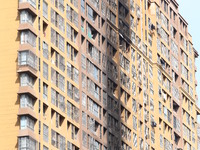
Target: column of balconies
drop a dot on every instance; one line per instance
(27, 71)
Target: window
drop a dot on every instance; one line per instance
(61, 5)
(83, 6)
(45, 133)
(45, 91)
(94, 71)
(27, 37)
(45, 9)
(73, 112)
(94, 53)
(185, 57)
(25, 17)
(71, 146)
(72, 92)
(74, 132)
(26, 80)
(94, 89)
(72, 73)
(72, 15)
(151, 104)
(58, 140)
(45, 50)
(160, 108)
(90, 13)
(45, 70)
(165, 7)
(32, 2)
(61, 45)
(26, 101)
(57, 40)
(26, 143)
(26, 122)
(71, 33)
(58, 100)
(134, 123)
(94, 108)
(134, 139)
(72, 53)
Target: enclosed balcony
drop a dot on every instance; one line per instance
(111, 36)
(124, 30)
(123, 12)
(95, 3)
(31, 2)
(29, 5)
(26, 17)
(27, 62)
(72, 15)
(28, 37)
(26, 105)
(26, 142)
(26, 102)
(26, 80)
(27, 122)
(93, 52)
(26, 85)
(92, 15)
(27, 58)
(92, 33)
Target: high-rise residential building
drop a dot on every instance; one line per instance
(96, 75)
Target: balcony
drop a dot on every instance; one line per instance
(124, 30)
(26, 140)
(27, 132)
(57, 140)
(27, 58)
(26, 26)
(123, 13)
(28, 37)
(27, 111)
(26, 17)
(26, 102)
(94, 53)
(27, 69)
(111, 34)
(29, 5)
(72, 15)
(58, 100)
(27, 122)
(27, 89)
(95, 3)
(176, 124)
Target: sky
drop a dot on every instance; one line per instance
(190, 11)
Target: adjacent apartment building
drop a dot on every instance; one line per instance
(96, 75)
